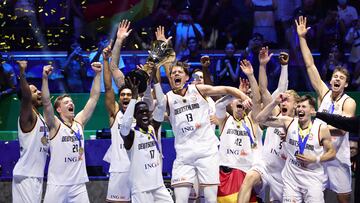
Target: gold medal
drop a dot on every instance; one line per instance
(44, 140)
(81, 151)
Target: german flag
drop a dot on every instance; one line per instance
(230, 183)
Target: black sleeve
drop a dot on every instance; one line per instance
(350, 124)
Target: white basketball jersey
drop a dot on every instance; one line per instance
(212, 109)
(341, 143)
(119, 159)
(190, 121)
(237, 149)
(33, 152)
(273, 151)
(67, 165)
(296, 171)
(145, 159)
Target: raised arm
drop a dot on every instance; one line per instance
(160, 108)
(264, 58)
(220, 107)
(350, 124)
(205, 63)
(84, 115)
(52, 123)
(316, 82)
(349, 109)
(27, 116)
(122, 32)
(283, 80)
(208, 90)
(265, 118)
(110, 102)
(247, 68)
(168, 61)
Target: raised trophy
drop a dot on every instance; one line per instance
(158, 52)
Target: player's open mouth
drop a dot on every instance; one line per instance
(177, 81)
(301, 114)
(125, 103)
(336, 85)
(284, 110)
(71, 109)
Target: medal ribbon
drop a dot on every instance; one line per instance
(243, 124)
(331, 108)
(302, 142)
(77, 134)
(151, 135)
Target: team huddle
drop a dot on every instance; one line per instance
(298, 159)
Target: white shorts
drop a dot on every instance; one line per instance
(205, 169)
(339, 177)
(27, 189)
(276, 185)
(293, 194)
(159, 195)
(66, 193)
(118, 187)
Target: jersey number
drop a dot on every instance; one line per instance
(280, 144)
(152, 154)
(189, 117)
(75, 148)
(238, 142)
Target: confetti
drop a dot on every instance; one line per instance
(3, 24)
(82, 37)
(14, 18)
(83, 2)
(1, 15)
(28, 46)
(102, 17)
(62, 18)
(22, 40)
(136, 46)
(46, 14)
(41, 10)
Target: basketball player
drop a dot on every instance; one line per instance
(267, 172)
(118, 186)
(308, 144)
(147, 184)
(337, 102)
(195, 141)
(28, 172)
(67, 170)
(240, 140)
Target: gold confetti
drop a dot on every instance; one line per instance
(67, 25)
(53, 11)
(46, 14)
(28, 46)
(2, 43)
(83, 2)
(3, 24)
(57, 35)
(82, 37)
(14, 18)
(4, 2)
(26, 11)
(136, 46)
(12, 37)
(49, 34)
(62, 18)
(1, 15)
(6, 37)
(102, 17)
(22, 40)
(41, 10)
(49, 44)
(144, 33)
(61, 31)
(99, 28)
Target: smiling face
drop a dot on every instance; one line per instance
(142, 115)
(178, 77)
(305, 108)
(125, 97)
(35, 96)
(64, 105)
(339, 80)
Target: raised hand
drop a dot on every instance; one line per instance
(22, 65)
(160, 34)
(281, 98)
(205, 61)
(106, 52)
(284, 58)
(264, 56)
(247, 103)
(97, 67)
(123, 30)
(246, 67)
(47, 70)
(244, 85)
(301, 27)
(133, 85)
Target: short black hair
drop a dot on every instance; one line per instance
(308, 98)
